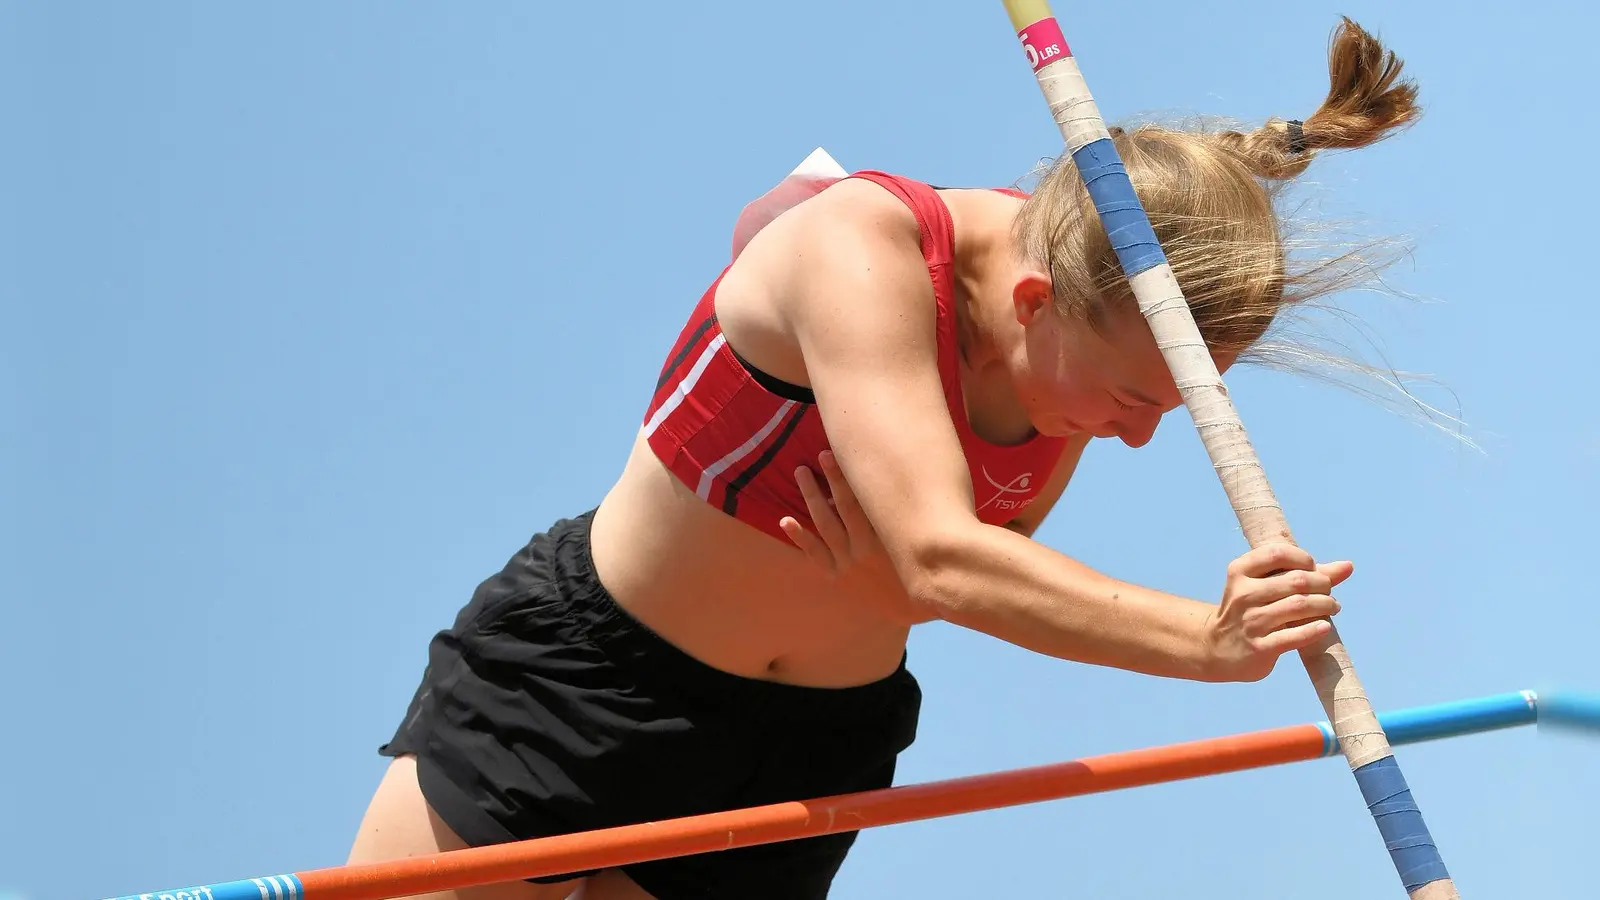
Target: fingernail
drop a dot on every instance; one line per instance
(826, 457)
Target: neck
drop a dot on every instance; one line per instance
(983, 267)
(984, 263)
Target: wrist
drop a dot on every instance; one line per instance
(1207, 661)
(1190, 644)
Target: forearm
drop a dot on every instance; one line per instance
(998, 582)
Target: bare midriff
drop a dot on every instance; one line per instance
(733, 597)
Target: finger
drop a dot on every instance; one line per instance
(1269, 558)
(809, 544)
(1297, 638)
(823, 516)
(844, 499)
(1288, 613)
(1287, 584)
(1337, 572)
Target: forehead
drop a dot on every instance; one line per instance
(1132, 359)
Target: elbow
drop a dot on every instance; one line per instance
(928, 597)
(933, 567)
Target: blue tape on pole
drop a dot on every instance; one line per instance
(273, 887)
(1410, 845)
(1125, 221)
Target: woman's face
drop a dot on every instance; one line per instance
(1107, 380)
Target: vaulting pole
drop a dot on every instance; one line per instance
(1366, 747)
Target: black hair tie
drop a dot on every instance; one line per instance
(1297, 137)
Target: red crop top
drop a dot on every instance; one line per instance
(735, 435)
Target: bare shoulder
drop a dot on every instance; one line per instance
(847, 258)
(852, 223)
(864, 204)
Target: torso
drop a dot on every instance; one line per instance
(688, 539)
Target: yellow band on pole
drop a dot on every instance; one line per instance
(1026, 12)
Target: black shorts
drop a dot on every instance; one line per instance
(547, 709)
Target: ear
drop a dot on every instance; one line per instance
(1032, 296)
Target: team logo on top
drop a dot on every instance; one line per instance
(1011, 495)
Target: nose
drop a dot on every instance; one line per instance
(1139, 427)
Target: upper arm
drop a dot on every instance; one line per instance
(862, 310)
(1029, 520)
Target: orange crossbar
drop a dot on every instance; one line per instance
(610, 847)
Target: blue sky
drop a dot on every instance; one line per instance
(315, 312)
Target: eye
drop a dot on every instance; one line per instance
(1117, 400)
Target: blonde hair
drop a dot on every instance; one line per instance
(1211, 197)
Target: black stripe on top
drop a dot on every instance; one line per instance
(688, 347)
(785, 389)
(730, 499)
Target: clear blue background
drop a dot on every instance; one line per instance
(314, 312)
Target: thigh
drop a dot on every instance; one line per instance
(399, 824)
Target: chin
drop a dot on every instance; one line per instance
(1057, 428)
